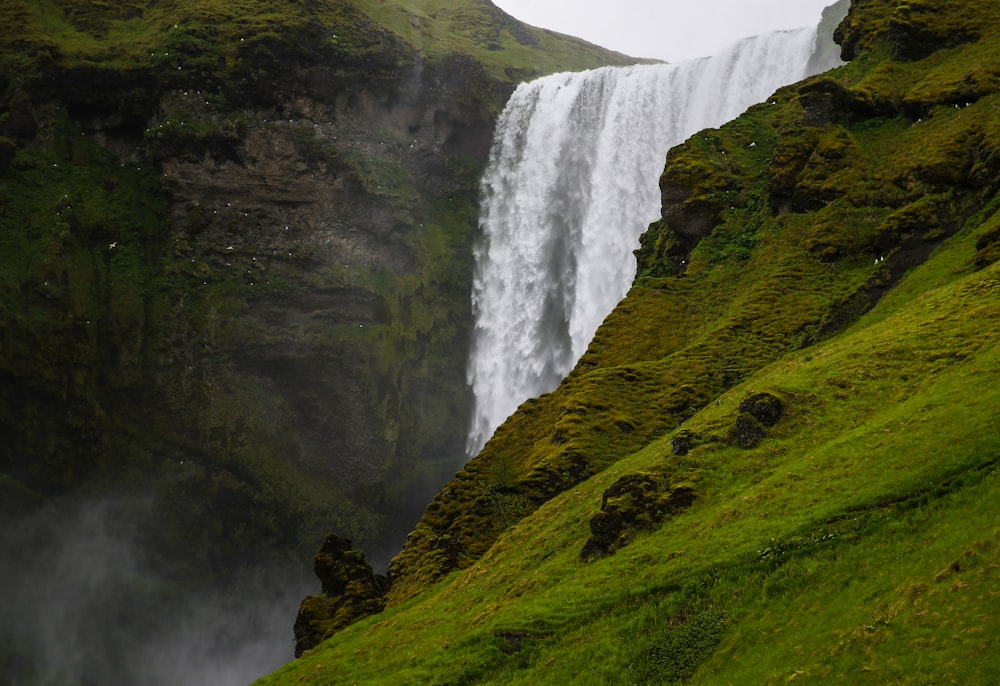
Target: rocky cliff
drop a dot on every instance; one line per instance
(249, 232)
(235, 261)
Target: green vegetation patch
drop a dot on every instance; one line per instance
(860, 526)
(827, 257)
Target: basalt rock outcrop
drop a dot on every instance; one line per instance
(350, 591)
(758, 413)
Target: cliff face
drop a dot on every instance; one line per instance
(234, 261)
(779, 448)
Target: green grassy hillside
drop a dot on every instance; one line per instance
(204, 35)
(778, 459)
(857, 543)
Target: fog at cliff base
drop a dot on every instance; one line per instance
(672, 30)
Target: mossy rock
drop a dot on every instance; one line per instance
(943, 156)
(918, 28)
(757, 414)
(351, 591)
(957, 83)
(661, 251)
(865, 29)
(766, 408)
(696, 186)
(840, 230)
(930, 218)
(988, 248)
(683, 442)
(635, 502)
(880, 92)
(914, 29)
(833, 168)
(789, 160)
(826, 101)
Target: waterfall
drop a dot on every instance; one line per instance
(571, 185)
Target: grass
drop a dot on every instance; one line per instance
(861, 528)
(836, 273)
(504, 46)
(799, 234)
(192, 36)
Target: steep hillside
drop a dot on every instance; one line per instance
(234, 264)
(778, 458)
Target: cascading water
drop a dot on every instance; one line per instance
(571, 185)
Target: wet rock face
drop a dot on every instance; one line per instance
(351, 591)
(292, 241)
(302, 175)
(326, 189)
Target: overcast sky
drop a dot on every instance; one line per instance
(671, 30)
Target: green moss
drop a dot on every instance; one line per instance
(187, 42)
(839, 230)
(380, 177)
(865, 29)
(190, 135)
(863, 523)
(788, 161)
(836, 168)
(921, 27)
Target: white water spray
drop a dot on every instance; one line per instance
(571, 185)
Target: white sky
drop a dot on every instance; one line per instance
(671, 30)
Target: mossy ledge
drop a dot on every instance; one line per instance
(829, 252)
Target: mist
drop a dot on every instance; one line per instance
(86, 601)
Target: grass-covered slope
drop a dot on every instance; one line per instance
(777, 460)
(857, 543)
(203, 36)
(506, 47)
